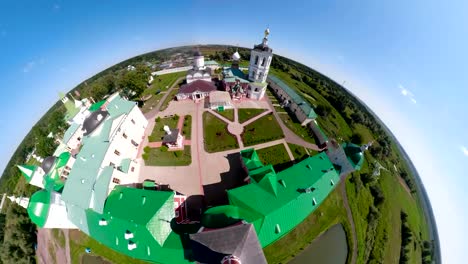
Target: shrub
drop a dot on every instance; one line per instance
(164, 148)
(147, 149)
(145, 156)
(158, 119)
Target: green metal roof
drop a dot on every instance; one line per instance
(250, 159)
(101, 188)
(149, 184)
(295, 97)
(27, 171)
(266, 177)
(96, 106)
(300, 190)
(354, 154)
(70, 131)
(119, 106)
(38, 207)
(233, 74)
(125, 165)
(225, 215)
(62, 159)
(145, 216)
(211, 62)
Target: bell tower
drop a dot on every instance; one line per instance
(260, 60)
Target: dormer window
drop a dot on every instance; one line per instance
(116, 152)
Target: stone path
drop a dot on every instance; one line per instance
(350, 219)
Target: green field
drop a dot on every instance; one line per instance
(161, 157)
(228, 113)
(152, 102)
(274, 155)
(216, 136)
(300, 151)
(262, 130)
(187, 127)
(245, 114)
(79, 241)
(163, 82)
(158, 131)
(303, 131)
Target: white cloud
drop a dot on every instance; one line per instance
(464, 150)
(407, 93)
(29, 66)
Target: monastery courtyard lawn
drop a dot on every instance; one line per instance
(187, 127)
(228, 113)
(163, 82)
(300, 152)
(216, 135)
(162, 157)
(158, 131)
(248, 113)
(274, 155)
(262, 130)
(303, 131)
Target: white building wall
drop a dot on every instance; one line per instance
(58, 217)
(76, 138)
(173, 70)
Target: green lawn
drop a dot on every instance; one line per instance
(157, 157)
(303, 131)
(329, 213)
(300, 151)
(274, 155)
(79, 241)
(187, 128)
(158, 131)
(163, 82)
(245, 114)
(216, 136)
(169, 98)
(152, 102)
(228, 113)
(262, 130)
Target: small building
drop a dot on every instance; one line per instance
(292, 100)
(199, 71)
(220, 101)
(196, 90)
(319, 135)
(173, 139)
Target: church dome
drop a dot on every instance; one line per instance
(48, 163)
(38, 207)
(93, 121)
(355, 154)
(236, 56)
(197, 53)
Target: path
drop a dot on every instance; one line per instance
(350, 219)
(290, 136)
(152, 114)
(47, 245)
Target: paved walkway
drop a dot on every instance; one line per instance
(350, 219)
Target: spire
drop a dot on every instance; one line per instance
(27, 170)
(21, 201)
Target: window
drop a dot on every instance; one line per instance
(116, 180)
(134, 143)
(78, 138)
(124, 135)
(112, 164)
(116, 152)
(256, 60)
(132, 169)
(133, 121)
(263, 62)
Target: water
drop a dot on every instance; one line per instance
(329, 248)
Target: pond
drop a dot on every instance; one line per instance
(330, 248)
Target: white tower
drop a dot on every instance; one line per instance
(21, 201)
(260, 60)
(198, 61)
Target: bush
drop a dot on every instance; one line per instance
(164, 148)
(147, 149)
(158, 119)
(175, 117)
(145, 156)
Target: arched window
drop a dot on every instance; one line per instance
(263, 62)
(256, 60)
(260, 76)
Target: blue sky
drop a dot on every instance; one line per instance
(406, 59)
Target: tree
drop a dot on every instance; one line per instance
(323, 110)
(57, 122)
(134, 82)
(357, 138)
(45, 146)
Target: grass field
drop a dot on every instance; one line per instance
(302, 131)
(152, 102)
(157, 157)
(158, 131)
(228, 113)
(169, 98)
(262, 130)
(216, 136)
(187, 127)
(273, 155)
(163, 82)
(79, 241)
(300, 151)
(329, 213)
(245, 114)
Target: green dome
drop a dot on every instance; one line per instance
(355, 154)
(38, 208)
